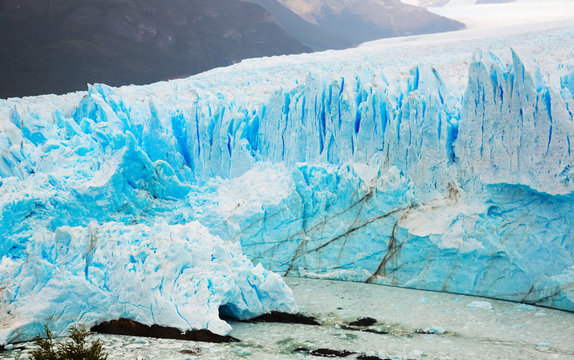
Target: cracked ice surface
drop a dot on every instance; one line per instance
(419, 163)
(171, 275)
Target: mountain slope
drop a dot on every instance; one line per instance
(311, 34)
(60, 45)
(350, 22)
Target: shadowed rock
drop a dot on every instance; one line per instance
(364, 321)
(369, 330)
(286, 318)
(330, 353)
(195, 351)
(370, 357)
(322, 352)
(133, 328)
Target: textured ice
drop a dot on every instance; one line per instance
(392, 163)
(172, 275)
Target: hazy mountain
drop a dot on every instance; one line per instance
(311, 34)
(428, 3)
(438, 3)
(493, 1)
(57, 46)
(343, 23)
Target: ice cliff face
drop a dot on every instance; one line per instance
(136, 194)
(171, 275)
(518, 129)
(468, 196)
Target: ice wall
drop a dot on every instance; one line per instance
(469, 195)
(88, 233)
(171, 275)
(517, 129)
(347, 175)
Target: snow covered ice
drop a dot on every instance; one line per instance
(421, 163)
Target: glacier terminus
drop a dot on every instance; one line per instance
(439, 163)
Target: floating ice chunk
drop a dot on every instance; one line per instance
(434, 330)
(417, 353)
(480, 305)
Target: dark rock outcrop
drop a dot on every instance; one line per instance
(286, 318)
(364, 321)
(370, 357)
(323, 352)
(133, 328)
(195, 351)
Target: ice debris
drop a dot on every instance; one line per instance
(485, 305)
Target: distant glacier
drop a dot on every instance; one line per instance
(153, 202)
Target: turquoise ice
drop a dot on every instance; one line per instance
(155, 202)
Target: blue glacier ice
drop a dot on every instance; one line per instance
(172, 275)
(155, 202)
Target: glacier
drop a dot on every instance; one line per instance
(390, 164)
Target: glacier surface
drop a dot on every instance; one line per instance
(391, 164)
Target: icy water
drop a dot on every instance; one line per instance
(411, 324)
